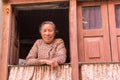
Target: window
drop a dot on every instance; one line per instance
(27, 29)
(91, 17)
(117, 12)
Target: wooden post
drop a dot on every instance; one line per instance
(0, 23)
(73, 39)
(0, 30)
(5, 42)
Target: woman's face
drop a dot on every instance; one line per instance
(47, 33)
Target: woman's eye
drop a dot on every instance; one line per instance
(47, 30)
(50, 30)
(44, 31)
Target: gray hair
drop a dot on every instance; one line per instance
(48, 22)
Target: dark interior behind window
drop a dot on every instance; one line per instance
(28, 27)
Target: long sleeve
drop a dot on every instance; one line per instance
(42, 53)
(60, 54)
(31, 59)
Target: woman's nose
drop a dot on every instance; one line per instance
(47, 32)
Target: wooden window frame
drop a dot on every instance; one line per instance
(8, 24)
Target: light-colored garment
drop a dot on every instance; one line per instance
(40, 50)
(63, 72)
(22, 62)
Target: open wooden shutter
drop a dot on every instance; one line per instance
(114, 21)
(93, 32)
(14, 49)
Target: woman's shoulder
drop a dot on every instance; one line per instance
(38, 41)
(58, 40)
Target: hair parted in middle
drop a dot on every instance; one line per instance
(48, 22)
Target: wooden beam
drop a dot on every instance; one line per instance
(73, 39)
(40, 6)
(34, 1)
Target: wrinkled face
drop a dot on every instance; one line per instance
(47, 33)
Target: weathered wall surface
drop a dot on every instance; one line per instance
(63, 72)
(100, 72)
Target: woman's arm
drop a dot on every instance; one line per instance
(60, 54)
(32, 58)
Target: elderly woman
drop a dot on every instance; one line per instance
(47, 50)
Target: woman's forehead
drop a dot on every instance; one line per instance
(46, 26)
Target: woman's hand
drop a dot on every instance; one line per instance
(52, 63)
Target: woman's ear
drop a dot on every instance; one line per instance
(56, 31)
(40, 32)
